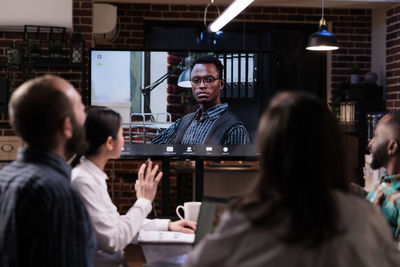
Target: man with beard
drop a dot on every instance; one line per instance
(385, 153)
(43, 221)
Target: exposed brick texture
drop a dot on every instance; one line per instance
(352, 28)
(122, 176)
(393, 58)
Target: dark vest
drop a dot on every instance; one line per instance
(218, 132)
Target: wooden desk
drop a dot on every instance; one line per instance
(157, 252)
(145, 254)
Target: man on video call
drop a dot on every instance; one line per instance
(213, 122)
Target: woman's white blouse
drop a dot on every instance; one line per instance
(113, 231)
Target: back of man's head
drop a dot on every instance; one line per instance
(37, 110)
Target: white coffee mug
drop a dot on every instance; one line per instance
(190, 209)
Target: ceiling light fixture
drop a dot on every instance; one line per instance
(230, 13)
(322, 40)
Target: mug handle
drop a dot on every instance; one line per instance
(177, 211)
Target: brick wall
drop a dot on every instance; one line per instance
(123, 174)
(351, 27)
(175, 106)
(82, 12)
(393, 58)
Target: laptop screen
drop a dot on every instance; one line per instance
(209, 216)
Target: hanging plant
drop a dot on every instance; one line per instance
(56, 49)
(34, 49)
(18, 60)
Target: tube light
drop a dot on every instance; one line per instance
(230, 13)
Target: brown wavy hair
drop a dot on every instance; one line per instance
(302, 163)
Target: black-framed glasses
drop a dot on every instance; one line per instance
(208, 80)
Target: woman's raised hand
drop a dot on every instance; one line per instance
(148, 179)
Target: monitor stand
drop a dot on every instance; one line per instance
(165, 186)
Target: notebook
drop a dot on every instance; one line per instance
(165, 237)
(209, 216)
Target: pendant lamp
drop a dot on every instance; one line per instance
(322, 40)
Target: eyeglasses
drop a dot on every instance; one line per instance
(208, 80)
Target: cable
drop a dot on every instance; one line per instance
(205, 12)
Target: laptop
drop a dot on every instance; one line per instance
(209, 216)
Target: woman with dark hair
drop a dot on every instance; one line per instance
(299, 213)
(104, 134)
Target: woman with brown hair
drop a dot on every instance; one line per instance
(299, 213)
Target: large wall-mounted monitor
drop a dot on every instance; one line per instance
(142, 86)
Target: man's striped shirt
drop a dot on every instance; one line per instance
(43, 220)
(198, 130)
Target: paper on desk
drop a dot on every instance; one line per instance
(165, 237)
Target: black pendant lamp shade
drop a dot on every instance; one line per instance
(322, 40)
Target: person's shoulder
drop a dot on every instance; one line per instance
(21, 173)
(178, 121)
(37, 183)
(363, 222)
(80, 174)
(358, 211)
(356, 201)
(77, 170)
(233, 115)
(187, 116)
(230, 219)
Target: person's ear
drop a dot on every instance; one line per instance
(66, 128)
(109, 143)
(393, 147)
(222, 83)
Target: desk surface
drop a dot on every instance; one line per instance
(157, 252)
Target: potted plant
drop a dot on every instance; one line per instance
(354, 74)
(34, 48)
(12, 65)
(18, 60)
(56, 49)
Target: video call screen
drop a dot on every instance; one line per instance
(162, 118)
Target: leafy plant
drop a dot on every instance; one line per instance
(334, 103)
(18, 60)
(56, 47)
(34, 47)
(337, 95)
(354, 69)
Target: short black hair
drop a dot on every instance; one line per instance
(210, 60)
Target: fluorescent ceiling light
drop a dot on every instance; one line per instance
(322, 48)
(230, 13)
